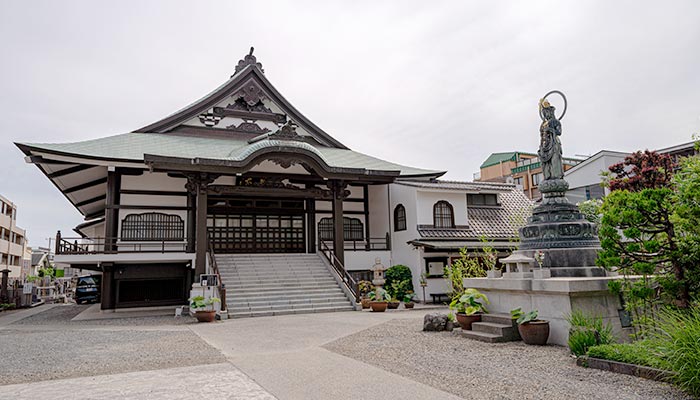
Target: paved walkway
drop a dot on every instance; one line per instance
(213, 381)
(284, 355)
(269, 357)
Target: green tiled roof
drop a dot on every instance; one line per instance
(497, 158)
(133, 146)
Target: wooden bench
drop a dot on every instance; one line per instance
(438, 296)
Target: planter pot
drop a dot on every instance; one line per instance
(494, 273)
(205, 316)
(534, 332)
(393, 305)
(465, 321)
(365, 303)
(378, 306)
(409, 305)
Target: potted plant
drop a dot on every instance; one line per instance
(469, 307)
(365, 287)
(532, 330)
(408, 300)
(379, 300)
(394, 291)
(207, 314)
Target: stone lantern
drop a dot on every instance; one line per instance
(518, 266)
(378, 270)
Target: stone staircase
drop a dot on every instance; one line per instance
(493, 328)
(277, 284)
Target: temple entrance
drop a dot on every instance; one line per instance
(256, 225)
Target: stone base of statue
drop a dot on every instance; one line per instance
(566, 244)
(558, 229)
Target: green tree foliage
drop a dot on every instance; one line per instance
(638, 234)
(591, 210)
(399, 280)
(687, 220)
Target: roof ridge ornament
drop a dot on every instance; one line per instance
(249, 59)
(288, 131)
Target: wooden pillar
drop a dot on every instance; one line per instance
(108, 296)
(311, 224)
(338, 189)
(197, 184)
(112, 211)
(365, 203)
(191, 220)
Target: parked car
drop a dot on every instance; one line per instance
(87, 289)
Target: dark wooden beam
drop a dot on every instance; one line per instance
(70, 170)
(111, 212)
(191, 221)
(311, 224)
(137, 207)
(101, 197)
(86, 185)
(315, 193)
(338, 188)
(365, 195)
(154, 192)
(353, 212)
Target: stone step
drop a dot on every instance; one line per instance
(290, 285)
(284, 297)
(504, 319)
(275, 289)
(281, 307)
(262, 272)
(305, 300)
(282, 282)
(291, 311)
(480, 336)
(284, 294)
(496, 329)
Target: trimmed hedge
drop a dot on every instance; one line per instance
(398, 273)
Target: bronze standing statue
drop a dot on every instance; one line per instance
(550, 146)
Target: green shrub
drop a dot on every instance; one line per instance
(677, 338)
(399, 274)
(586, 331)
(639, 353)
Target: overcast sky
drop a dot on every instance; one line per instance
(431, 84)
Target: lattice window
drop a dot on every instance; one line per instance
(399, 218)
(443, 215)
(353, 229)
(153, 226)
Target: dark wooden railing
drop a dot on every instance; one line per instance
(215, 268)
(339, 269)
(371, 244)
(75, 245)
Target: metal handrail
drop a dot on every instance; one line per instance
(339, 268)
(215, 268)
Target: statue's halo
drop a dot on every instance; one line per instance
(565, 103)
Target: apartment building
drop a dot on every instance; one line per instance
(13, 242)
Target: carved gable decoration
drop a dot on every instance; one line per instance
(248, 127)
(287, 132)
(248, 104)
(249, 59)
(209, 119)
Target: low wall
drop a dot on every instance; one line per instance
(554, 298)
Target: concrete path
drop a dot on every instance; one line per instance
(283, 354)
(7, 318)
(213, 381)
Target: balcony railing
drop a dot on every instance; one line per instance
(371, 244)
(74, 246)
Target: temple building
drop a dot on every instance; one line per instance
(241, 185)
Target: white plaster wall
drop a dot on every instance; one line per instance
(364, 260)
(589, 174)
(427, 199)
(153, 181)
(378, 204)
(401, 252)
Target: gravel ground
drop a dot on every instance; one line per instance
(477, 370)
(34, 356)
(62, 315)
